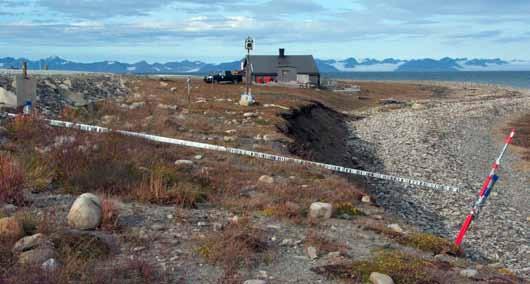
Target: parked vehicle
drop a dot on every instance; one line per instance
(234, 77)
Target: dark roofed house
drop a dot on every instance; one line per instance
(283, 68)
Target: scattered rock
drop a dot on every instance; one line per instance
(173, 89)
(167, 107)
(395, 227)
(250, 114)
(11, 228)
(137, 105)
(51, 265)
(37, 256)
(272, 137)
(9, 209)
(380, 278)
(85, 213)
(31, 242)
(229, 138)
(311, 252)
(108, 119)
(187, 163)
(198, 157)
(164, 84)
(246, 100)
(255, 281)
(469, 273)
(320, 210)
(366, 199)
(266, 179)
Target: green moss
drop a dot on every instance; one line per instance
(402, 268)
(428, 242)
(422, 241)
(346, 210)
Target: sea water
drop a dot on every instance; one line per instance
(517, 79)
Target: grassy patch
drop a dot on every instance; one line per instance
(401, 267)
(422, 241)
(346, 210)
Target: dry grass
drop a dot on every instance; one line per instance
(110, 213)
(322, 244)
(239, 245)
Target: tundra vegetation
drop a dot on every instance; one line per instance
(43, 169)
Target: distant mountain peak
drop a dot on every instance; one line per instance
(350, 64)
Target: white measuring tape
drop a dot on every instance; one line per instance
(259, 155)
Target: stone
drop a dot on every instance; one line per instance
(167, 107)
(31, 242)
(173, 89)
(395, 227)
(36, 256)
(85, 213)
(272, 137)
(164, 84)
(9, 209)
(187, 163)
(311, 252)
(198, 157)
(255, 281)
(250, 114)
(137, 105)
(366, 199)
(246, 100)
(107, 119)
(469, 273)
(266, 179)
(380, 278)
(320, 210)
(11, 228)
(7, 98)
(50, 265)
(334, 254)
(229, 138)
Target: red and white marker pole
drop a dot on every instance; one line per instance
(484, 192)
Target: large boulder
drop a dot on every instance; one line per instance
(85, 213)
(11, 228)
(320, 210)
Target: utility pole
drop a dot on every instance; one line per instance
(188, 84)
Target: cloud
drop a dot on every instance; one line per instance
(479, 35)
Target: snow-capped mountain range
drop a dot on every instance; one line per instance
(325, 66)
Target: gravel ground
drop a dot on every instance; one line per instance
(454, 141)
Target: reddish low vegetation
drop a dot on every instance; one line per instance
(237, 245)
(12, 181)
(522, 137)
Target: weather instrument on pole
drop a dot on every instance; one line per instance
(246, 98)
(249, 44)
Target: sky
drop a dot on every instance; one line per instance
(214, 30)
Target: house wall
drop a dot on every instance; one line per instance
(286, 74)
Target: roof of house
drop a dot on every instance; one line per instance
(268, 64)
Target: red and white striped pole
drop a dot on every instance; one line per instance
(484, 192)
